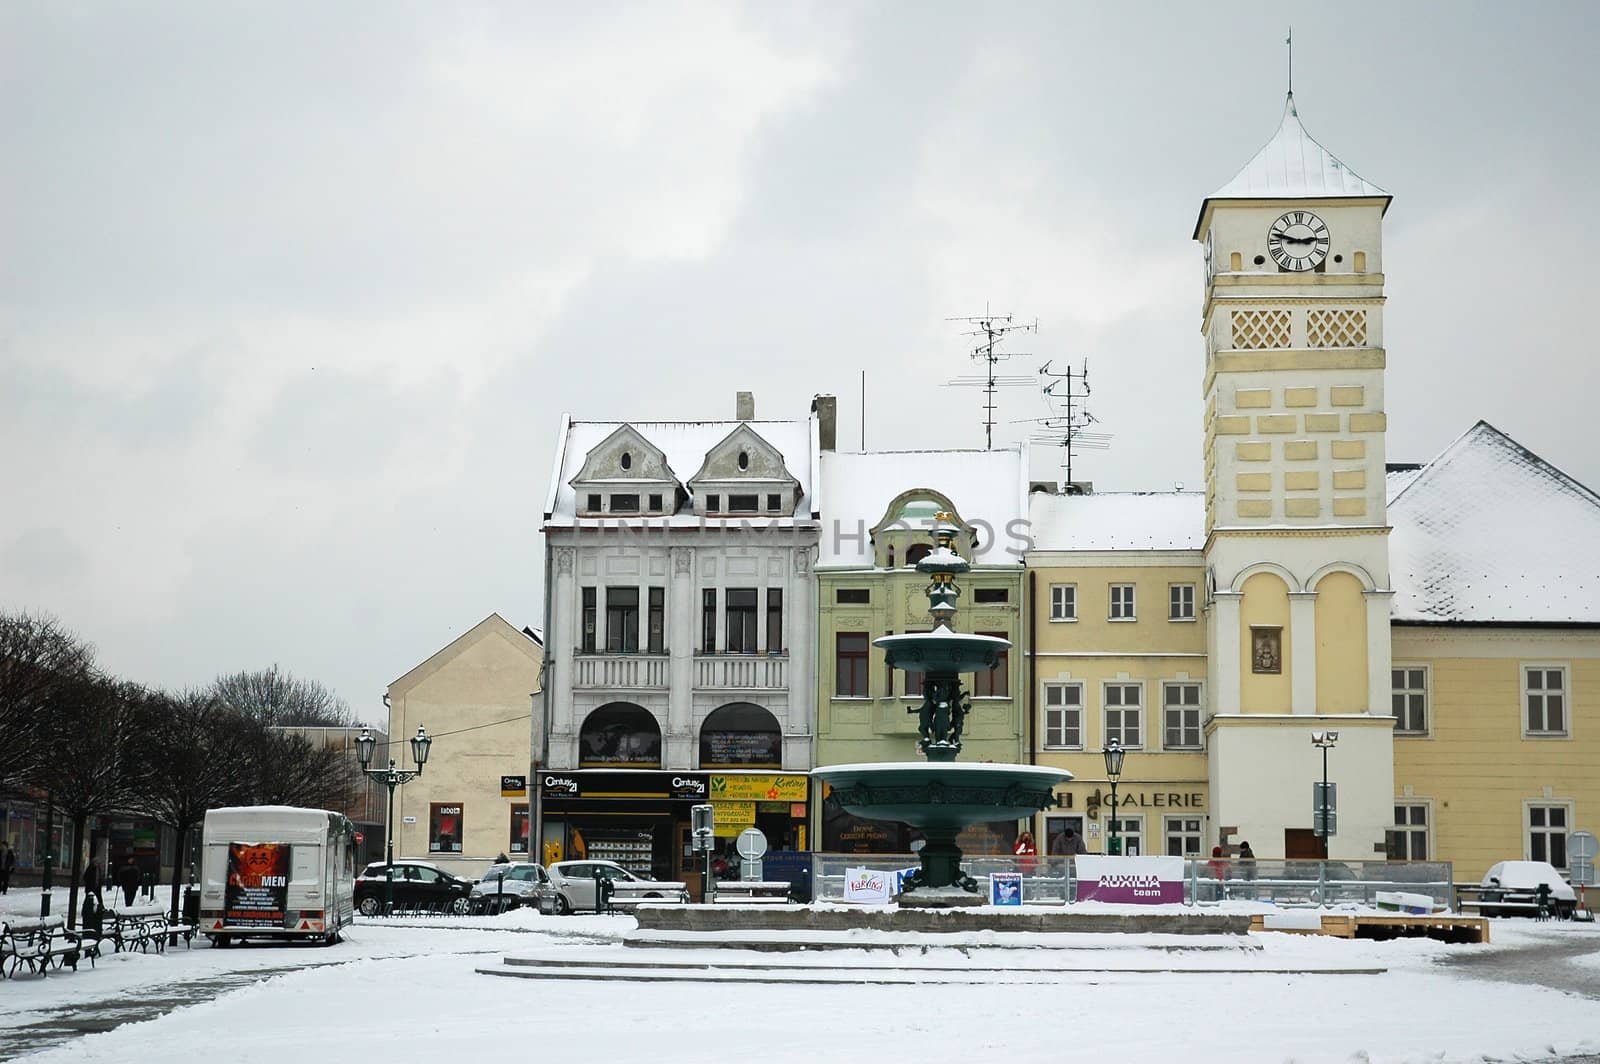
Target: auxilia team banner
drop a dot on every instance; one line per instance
(1136, 880)
(258, 884)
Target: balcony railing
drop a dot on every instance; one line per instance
(752, 672)
(620, 670)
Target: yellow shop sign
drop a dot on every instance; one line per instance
(759, 788)
(734, 812)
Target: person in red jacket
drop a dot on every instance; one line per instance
(1025, 851)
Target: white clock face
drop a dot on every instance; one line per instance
(1298, 241)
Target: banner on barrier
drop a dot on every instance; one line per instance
(1130, 880)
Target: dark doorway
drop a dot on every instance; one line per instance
(1301, 844)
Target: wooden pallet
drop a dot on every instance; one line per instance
(1391, 925)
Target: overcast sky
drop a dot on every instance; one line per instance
(292, 296)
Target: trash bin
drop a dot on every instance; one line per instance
(191, 905)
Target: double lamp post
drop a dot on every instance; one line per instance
(391, 778)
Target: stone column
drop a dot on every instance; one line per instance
(1303, 656)
(801, 623)
(559, 633)
(1380, 650)
(1225, 651)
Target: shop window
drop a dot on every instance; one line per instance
(995, 682)
(1063, 602)
(1183, 836)
(1409, 699)
(619, 735)
(850, 665)
(622, 620)
(741, 620)
(740, 735)
(444, 827)
(519, 829)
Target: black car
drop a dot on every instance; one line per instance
(417, 885)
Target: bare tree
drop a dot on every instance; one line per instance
(38, 657)
(198, 755)
(281, 700)
(290, 769)
(96, 759)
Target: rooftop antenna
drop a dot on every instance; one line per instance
(993, 328)
(1068, 424)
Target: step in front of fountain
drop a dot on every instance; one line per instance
(840, 918)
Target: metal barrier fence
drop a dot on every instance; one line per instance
(1049, 880)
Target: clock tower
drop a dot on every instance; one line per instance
(1296, 535)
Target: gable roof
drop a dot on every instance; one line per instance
(522, 638)
(1131, 520)
(1490, 533)
(742, 431)
(1292, 165)
(627, 432)
(685, 445)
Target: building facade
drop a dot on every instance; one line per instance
(681, 644)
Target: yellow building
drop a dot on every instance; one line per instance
(1435, 626)
(475, 698)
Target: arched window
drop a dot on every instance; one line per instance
(741, 735)
(620, 735)
(916, 552)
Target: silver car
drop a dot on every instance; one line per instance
(506, 886)
(571, 887)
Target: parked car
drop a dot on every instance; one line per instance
(1516, 883)
(506, 886)
(571, 887)
(417, 885)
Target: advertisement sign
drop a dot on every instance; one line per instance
(257, 893)
(513, 786)
(1005, 888)
(867, 887)
(1130, 880)
(444, 828)
(759, 788)
(690, 788)
(741, 748)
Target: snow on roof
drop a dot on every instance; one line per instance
(986, 488)
(1167, 520)
(1399, 477)
(685, 443)
(1294, 166)
(1489, 532)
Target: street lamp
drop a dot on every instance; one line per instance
(1322, 815)
(1114, 753)
(392, 777)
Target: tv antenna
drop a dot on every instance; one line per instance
(1068, 425)
(993, 328)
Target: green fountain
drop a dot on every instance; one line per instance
(940, 796)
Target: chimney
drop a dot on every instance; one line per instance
(744, 404)
(826, 409)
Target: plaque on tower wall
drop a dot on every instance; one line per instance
(1266, 650)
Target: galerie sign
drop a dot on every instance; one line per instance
(1130, 880)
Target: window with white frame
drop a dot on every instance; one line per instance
(1409, 699)
(1131, 830)
(1183, 836)
(1547, 834)
(1063, 602)
(1180, 710)
(1124, 706)
(1544, 696)
(1063, 715)
(1408, 839)
(1122, 602)
(1180, 602)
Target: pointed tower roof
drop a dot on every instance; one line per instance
(1293, 166)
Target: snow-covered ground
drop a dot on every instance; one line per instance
(411, 993)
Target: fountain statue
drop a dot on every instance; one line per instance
(940, 796)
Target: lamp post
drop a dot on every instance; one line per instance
(391, 778)
(1322, 815)
(1114, 753)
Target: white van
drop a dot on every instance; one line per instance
(275, 871)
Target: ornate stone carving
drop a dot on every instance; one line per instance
(681, 562)
(564, 561)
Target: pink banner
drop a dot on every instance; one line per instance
(1130, 880)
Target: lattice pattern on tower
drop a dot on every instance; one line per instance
(1258, 329)
(1336, 328)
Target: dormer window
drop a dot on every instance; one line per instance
(744, 459)
(592, 504)
(713, 503)
(627, 460)
(655, 504)
(624, 504)
(743, 504)
(774, 503)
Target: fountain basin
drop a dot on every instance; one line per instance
(941, 650)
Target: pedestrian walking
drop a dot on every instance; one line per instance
(1070, 843)
(1219, 871)
(1247, 866)
(91, 883)
(8, 865)
(128, 879)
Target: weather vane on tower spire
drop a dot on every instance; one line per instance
(1289, 40)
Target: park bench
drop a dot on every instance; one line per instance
(42, 943)
(742, 892)
(138, 927)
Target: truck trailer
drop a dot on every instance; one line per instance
(278, 872)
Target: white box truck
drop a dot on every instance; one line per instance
(275, 871)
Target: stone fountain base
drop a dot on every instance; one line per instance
(673, 919)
